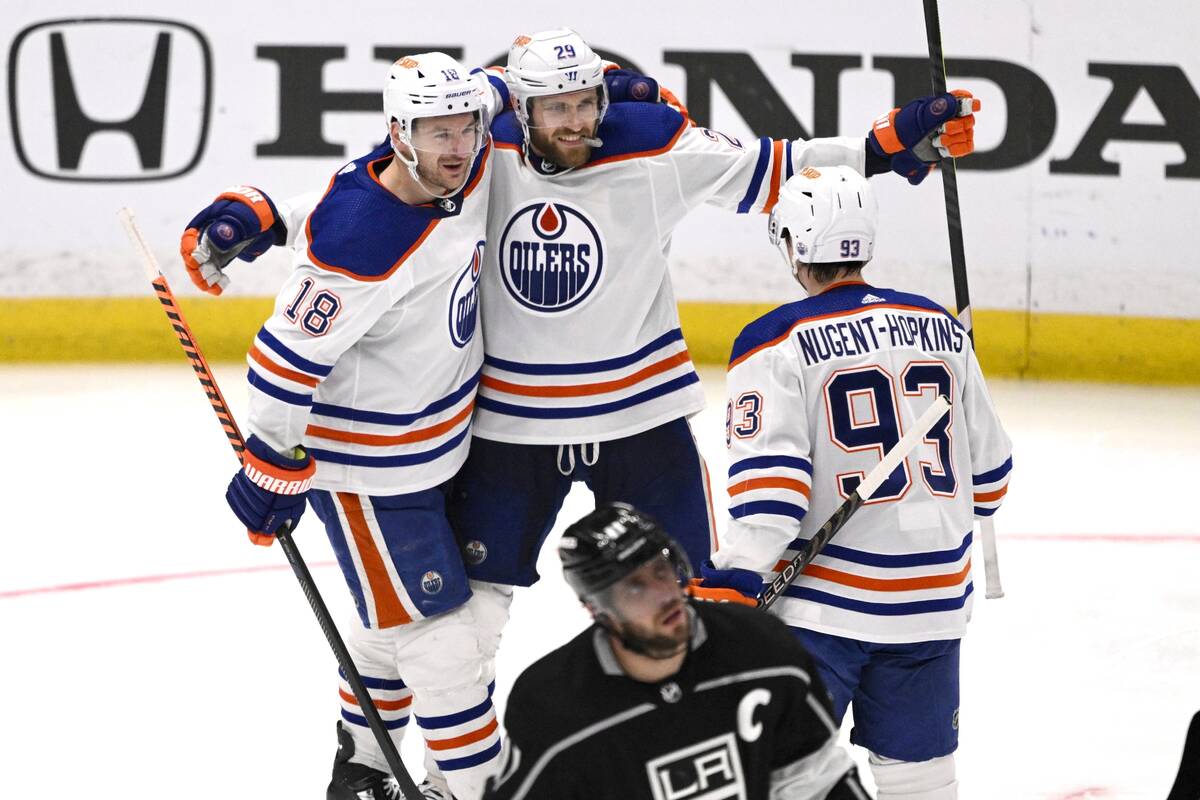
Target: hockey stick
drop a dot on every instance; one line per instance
(958, 266)
(188, 342)
(842, 514)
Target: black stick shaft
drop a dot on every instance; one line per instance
(958, 256)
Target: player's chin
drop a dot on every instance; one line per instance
(571, 151)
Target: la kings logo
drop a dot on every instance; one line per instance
(464, 300)
(551, 256)
(710, 770)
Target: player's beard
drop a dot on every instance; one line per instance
(553, 144)
(662, 639)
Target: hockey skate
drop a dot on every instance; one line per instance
(353, 781)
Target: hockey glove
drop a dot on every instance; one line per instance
(270, 490)
(916, 136)
(626, 86)
(726, 585)
(242, 222)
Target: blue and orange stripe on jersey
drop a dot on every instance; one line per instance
(990, 487)
(522, 389)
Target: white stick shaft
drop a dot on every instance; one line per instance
(149, 262)
(991, 564)
(903, 447)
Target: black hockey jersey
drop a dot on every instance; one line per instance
(745, 717)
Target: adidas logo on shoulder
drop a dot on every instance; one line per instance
(870, 298)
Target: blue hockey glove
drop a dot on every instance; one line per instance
(270, 490)
(242, 222)
(726, 585)
(627, 86)
(925, 130)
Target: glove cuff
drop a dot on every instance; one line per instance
(885, 141)
(277, 473)
(264, 210)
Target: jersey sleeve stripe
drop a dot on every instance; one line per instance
(988, 497)
(775, 507)
(257, 356)
(584, 367)
(271, 390)
(586, 389)
(751, 484)
(776, 171)
(787, 161)
(760, 169)
(766, 462)
(888, 560)
(379, 440)
(994, 475)
(299, 362)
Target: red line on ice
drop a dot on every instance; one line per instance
(1118, 538)
(137, 579)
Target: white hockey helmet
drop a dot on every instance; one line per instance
(552, 62)
(829, 214)
(429, 85)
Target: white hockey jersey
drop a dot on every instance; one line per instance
(818, 391)
(372, 357)
(583, 339)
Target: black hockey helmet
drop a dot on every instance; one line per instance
(611, 543)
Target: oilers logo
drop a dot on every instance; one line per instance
(464, 300)
(431, 582)
(551, 256)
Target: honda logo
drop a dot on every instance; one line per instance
(108, 99)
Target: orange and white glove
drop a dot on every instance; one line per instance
(241, 223)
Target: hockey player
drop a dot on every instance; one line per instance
(586, 376)
(818, 391)
(663, 698)
(362, 384)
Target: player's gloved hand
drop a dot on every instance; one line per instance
(270, 490)
(925, 130)
(627, 86)
(242, 222)
(725, 585)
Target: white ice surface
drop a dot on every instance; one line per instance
(1078, 684)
